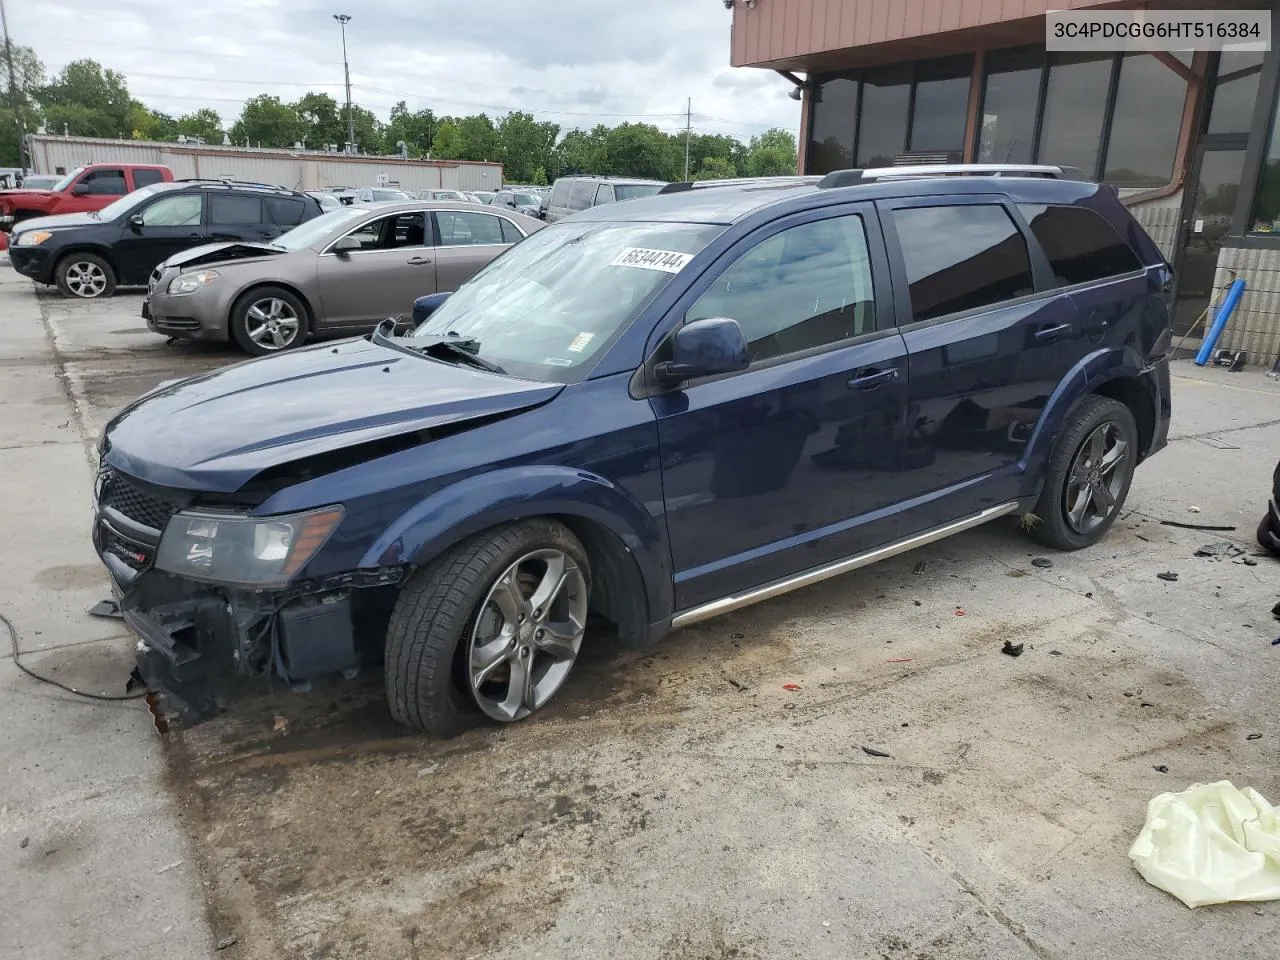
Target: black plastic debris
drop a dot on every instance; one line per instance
(1247, 561)
(873, 752)
(1196, 526)
(1055, 653)
(1254, 736)
(1168, 575)
(1222, 548)
(1160, 768)
(1043, 562)
(106, 608)
(1011, 649)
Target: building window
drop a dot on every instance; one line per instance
(835, 112)
(1075, 107)
(1010, 100)
(1057, 113)
(940, 106)
(882, 127)
(1266, 202)
(1235, 91)
(1145, 123)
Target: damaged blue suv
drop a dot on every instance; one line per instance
(648, 414)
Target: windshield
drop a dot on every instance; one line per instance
(66, 181)
(38, 183)
(551, 306)
(391, 195)
(528, 199)
(318, 228)
(127, 202)
(630, 191)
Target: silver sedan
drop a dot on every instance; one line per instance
(339, 274)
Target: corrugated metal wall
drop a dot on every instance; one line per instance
(1255, 326)
(300, 170)
(1160, 218)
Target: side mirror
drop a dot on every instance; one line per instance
(345, 245)
(136, 222)
(80, 190)
(423, 307)
(704, 348)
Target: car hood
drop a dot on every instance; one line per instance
(222, 253)
(218, 431)
(19, 194)
(58, 221)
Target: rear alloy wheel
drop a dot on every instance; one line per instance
(491, 628)
(1088, 475)
(268, 320)
(85, 276)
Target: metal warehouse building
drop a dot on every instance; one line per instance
(299, 169)
(1189, 139)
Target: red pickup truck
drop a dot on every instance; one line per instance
(80, 191)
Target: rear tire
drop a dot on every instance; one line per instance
(1088, 475)
(440, 634)
(84, 276)
(1267, 538)
(268, 320)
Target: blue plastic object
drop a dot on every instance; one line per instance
(1234, 293)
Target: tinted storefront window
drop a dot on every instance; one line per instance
(835, 113)
(882, 129)
(1074, 109)
(1235, 92)
(941, 104)
(1144, 127)
(1009, 102)
(1266, 202)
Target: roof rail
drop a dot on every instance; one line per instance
(682, 186)
(228, 182)
(848, 178)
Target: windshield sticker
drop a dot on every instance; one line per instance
(580, 342)
(668, 261)
(557, 362)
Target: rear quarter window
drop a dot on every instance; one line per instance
(1080, 245)
(232, 209)
(961, 257)
(287, 211)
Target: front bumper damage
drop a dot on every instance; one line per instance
(201, 645)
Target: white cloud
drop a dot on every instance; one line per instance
(574, 62)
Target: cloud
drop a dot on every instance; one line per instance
(573, 62)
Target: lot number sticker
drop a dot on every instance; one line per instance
(667, 261)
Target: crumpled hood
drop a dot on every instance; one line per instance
(222, 253)
(19, 196)
(216, 432)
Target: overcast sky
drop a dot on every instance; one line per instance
(574, 62)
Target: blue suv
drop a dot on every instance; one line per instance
(648, 414)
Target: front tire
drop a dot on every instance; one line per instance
(1088, 476)
(491, 629)
(268, 320)
(84, 276)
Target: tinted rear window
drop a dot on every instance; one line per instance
(144, 178)
(961, 258)
(229, 208)
(286, 211)
(1081, 245)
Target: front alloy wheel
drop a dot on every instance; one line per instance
(527, 635)
(272, 324)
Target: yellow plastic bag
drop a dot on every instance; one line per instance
(1209, 844)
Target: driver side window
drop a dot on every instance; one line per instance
(182, 210)
(805, 287)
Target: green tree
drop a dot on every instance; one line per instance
(321, 119)
(467, 138)
(87, 101)
(526, 145)
(642, 150)
(715, 168)
(539, 178)
(583, 151)
(417, 130)
(772, 154)
(148, 124)
(204, 123)
(369, 129)
(267, 122)
(704, 147)
(29, 73)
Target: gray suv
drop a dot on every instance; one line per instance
(571, 194)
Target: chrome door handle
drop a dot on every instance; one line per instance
(870, 379)
(418, 261)
(1048, 334)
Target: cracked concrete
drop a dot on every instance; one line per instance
(681, 803)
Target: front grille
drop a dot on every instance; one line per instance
(141, 506)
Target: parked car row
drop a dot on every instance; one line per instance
(861, 365)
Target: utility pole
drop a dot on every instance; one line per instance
(343, 19)
(14, 93)
(688, 125)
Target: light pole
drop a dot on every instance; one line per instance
(343, 19)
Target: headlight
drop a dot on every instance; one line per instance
(33, 238)
(191, 282)
(248, 551)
